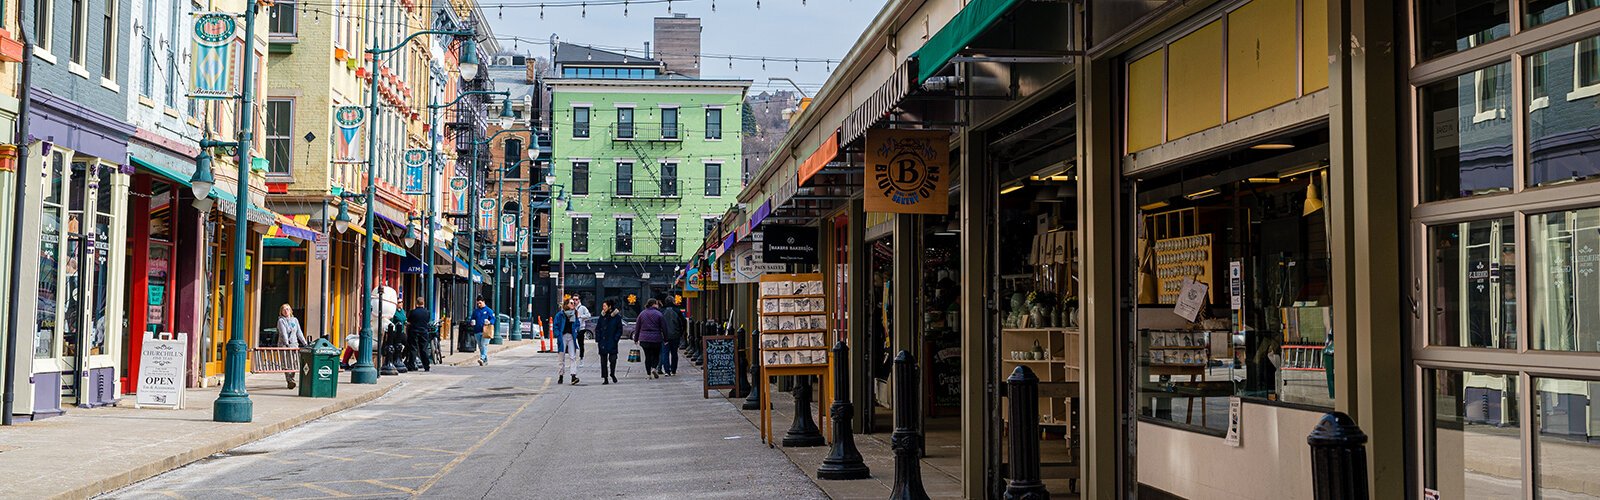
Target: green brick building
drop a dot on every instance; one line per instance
(647, 159)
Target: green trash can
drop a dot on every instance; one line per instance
(319, 370)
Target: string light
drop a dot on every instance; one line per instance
(624, 8)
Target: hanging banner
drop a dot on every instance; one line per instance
(508, 228)
(748, 266)
(691, 278)
(215, 60)
(907, 171)
(458, 192)
(486, 212)
(351, 122)
(416, 181)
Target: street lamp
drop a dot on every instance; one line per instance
(200, 183)
(433, 188)
(508, 116)
(341, 222)
(410, 239)
(364, 372)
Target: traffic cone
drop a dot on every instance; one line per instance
(544, 337)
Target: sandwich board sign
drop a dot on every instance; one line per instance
(162, 360)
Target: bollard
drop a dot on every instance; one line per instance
(752, 399)
(1023, 392)
(388, 354)
(844, 460)
(803, 432)
(1338, 459)
(907, 437)
(743, 365)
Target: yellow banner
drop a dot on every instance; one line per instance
(908, 171)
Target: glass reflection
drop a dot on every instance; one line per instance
(1565, 286)
(1467, 139)
(1568, 448)
(1474, 284)
(1563, 94)
(1448, 26)
(1474, 441)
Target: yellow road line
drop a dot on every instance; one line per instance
(486, 437)
(330, 491)
(248, 493)
(390, 486)
(330, 457)
(447, 452)
(387, 454)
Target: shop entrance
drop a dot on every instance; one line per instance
(215, 346)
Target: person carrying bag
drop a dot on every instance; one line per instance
(483, 321)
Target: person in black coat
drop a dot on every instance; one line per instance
(608, 331)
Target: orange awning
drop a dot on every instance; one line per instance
(820, 158)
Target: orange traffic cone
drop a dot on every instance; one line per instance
(544, 337)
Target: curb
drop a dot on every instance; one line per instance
(149, 470)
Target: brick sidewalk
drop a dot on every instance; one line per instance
(90, 451)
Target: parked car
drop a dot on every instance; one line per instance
(525, 325)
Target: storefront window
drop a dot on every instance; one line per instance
(1448, 26)
(1467, 134)
(1537, 12)
(1473, 436)
(1567, 449)
(1563, 90)
(44, 346)
(1564, 288)
(1235, 296)
(1474, 284)
(100, 328)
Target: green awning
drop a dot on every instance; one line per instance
(279, 242)
(168, 173)
(391, 248)
(973, 19)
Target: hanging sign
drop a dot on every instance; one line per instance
(319, 251)
(458, 190)
(1190, 300)
(416, 181)
(486, 211)
(351, 122)
(216, 56)
(748, 265)
(162, 360)
(691, 278)
(508, 228)
(907, 171)
(789, 245)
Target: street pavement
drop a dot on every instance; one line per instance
(506, 430)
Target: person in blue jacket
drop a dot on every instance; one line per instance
(482, 317)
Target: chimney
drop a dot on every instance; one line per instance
(678, 40)
(647, 50)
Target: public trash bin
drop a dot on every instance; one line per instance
(319, 370)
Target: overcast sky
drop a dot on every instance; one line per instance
(779, 29)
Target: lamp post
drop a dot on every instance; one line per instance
(433, 173)
(364, 372)
(233, 403)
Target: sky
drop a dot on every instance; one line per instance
(779, 29)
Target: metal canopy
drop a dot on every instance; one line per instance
(973, 19)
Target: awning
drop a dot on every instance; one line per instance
(819, 159)
(878, 105)
(279, 242)
(293, 227)
(391, 247)
(170, 172)
(760, 214)
(973, 19)
(227, 204)
(477, 276)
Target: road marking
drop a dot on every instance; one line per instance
(170, 493)
(330, 491)
(447, 452)
(486, 438)
(330, 457)
(390, 486)
(248, 493)
(387, 454)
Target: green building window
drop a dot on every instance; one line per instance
(624, 179)
(714, 124)
(580, 122)
(669, 123)
(580, 177)
(669, 236)
(713, 179)
(669, 179)
(580, 234)
(624, 123)
(624, 235)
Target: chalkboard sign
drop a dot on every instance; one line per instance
(721, 369)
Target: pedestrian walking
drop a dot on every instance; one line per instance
(650, 337)
(419, 324)
(607, 332)
(483, 327)
(586, 326)
(289, 335)
(567, 341)
(673, 325)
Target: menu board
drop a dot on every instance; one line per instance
(721, 363)
(794, 320)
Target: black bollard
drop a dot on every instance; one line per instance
(803, 432)
(844, 460)
(907, 437)
(388, 355)
(1023, 391)
(752, 399)
(1338, 459)
(742, 343)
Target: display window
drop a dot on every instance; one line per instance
(1234, 285)
(1473, 434)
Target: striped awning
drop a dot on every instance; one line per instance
(296, 227)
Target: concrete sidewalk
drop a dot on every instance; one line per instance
(471, 358)
(90, 451)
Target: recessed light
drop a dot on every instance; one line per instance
(1202, 194)
(1154, 205)
(1011, 189)
(1273, 146)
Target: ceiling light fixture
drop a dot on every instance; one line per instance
(1010, 189)
(1272, 146)
(1202, 194)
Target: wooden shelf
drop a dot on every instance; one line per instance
(799, 348)
(1032, 361)
(1187, 347)
(799, 330)
(812, 313)
(813, 296)
(1064, 329)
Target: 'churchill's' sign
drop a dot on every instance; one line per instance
(908, 171)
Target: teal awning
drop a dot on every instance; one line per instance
(392, 248)
(167, 173)
(973, 19)
(279, 242)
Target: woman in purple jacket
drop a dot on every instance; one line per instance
(649, 337)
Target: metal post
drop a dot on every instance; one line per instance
(752, 400)
(499, 250)
(516, 272)
(363, 372)
(19, 204)
(907, 437)
(844, 460)
(233, 404)
(431, 213)
(803, 432)
(1023, 392)
(472, 225)
(1338, 459)
(742, 339)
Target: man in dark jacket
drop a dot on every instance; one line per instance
(672, 326)
(608, 331)
(419, 324)
(650, 337)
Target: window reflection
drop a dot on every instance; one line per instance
(1567, 447)
(1448, 26)
(1468, 134)
(1563, 95)
(1474, 438)
(1474, 284)
(1565, 287)
(1537, 12)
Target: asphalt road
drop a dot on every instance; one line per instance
(507, 431)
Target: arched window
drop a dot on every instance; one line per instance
(513, 156)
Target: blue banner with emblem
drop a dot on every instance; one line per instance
(416, 179)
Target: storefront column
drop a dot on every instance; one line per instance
(977, 196)
(860, 297)
(907, 271)
(1363, 213)
(1105, 438)
(191, 251)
